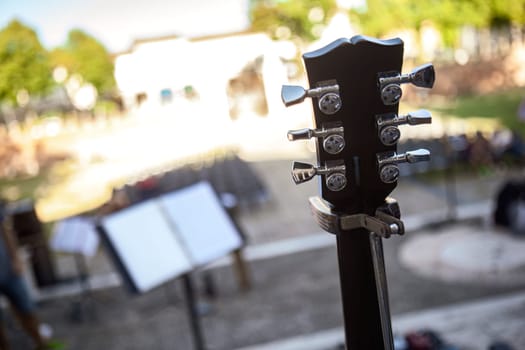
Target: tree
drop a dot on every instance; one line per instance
(24, 63)
(383, 16)
(84, 55)
(298, 18)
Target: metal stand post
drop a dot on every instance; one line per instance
(193, 316)
(364, 291)
(378, 259)
(82, 308)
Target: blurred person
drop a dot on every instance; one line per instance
(500, 142)
(521, 110)
(459, 145)
(516, 148)
(13, 287)
(480, 151)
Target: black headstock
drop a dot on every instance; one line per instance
(355, 87)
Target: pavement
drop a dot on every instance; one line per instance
(440, 277)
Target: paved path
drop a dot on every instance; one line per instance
(470, 326)
(296, 286)
(296, 298)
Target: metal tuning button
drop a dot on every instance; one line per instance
(388, 169)
(391, 94)
(387, 124)
(328, 95)
(333, 139)
(335, 178)
(418, 117)
(389, 135)
(334, 143)
(422, 76)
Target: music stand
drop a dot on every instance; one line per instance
(77, 236)
(160, 239)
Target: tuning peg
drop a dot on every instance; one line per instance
(329, 99)
(419, 155)
(388, 169)
(333, 139)
(418, 117)
(422, 76)
(389, 134)
(335, 176)
(421, 116)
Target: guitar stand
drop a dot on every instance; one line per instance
(83, 308)
(385, 223)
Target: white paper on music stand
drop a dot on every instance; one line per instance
(146, 245)
(205, 228)
(75, 235)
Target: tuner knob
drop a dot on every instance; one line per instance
(391, 94)
(388, 169)
(418, 117)
(333, 139)
(334, 144)
(329, 100)
(301, 134)
(389, 134)
(330, 103)
(422, 76)
(335, 178)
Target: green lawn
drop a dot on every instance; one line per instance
(21, 187)
(502, 106)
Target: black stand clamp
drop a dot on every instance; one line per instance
(385, 223)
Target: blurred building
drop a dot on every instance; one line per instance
(228, 75)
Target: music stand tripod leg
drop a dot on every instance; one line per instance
(378, 259)
(193, 315)
(83, 308)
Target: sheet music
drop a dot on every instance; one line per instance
(146, 245)
(75, 235)
(201, 222)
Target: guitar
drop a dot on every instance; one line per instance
(355, 87)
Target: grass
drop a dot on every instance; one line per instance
(21, 187)
(502, 106)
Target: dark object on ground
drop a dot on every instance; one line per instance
(426, 339)
(510, 193)
(227, 174)
(30, 233)
(418, 341)
(500, 346)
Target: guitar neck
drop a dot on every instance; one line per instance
(355, 87)
(364, 319)
(359, 292)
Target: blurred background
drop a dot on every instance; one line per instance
(107, 103)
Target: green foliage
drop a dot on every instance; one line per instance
(22, 187)
(507, 11)
(24, 63)
(502, 106)
(269, 15)
(84, 55)
(384, 16)
(448, 16)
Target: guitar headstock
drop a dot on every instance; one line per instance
(355, 88)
